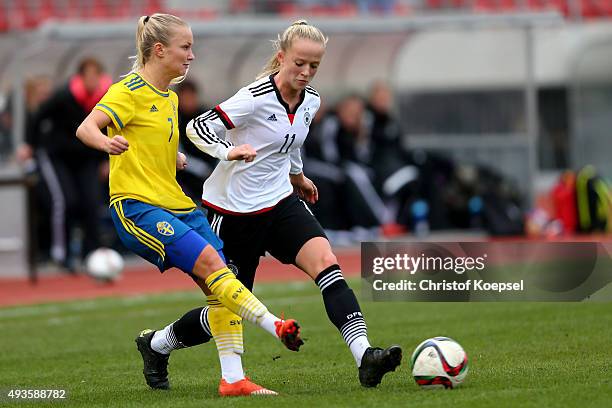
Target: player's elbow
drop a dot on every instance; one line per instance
(189, 130)
(82, 132)
(79, 131)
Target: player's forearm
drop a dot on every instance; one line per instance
(90, 135)
(203, 137)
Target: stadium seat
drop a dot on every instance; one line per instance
(206, 13)
(508, 5)
(99, 10)
(535, 5)
(289, 9)
(561, 6)
(433, 4)
(589, 9)
(153, 6)
(4, 26)
(485, 5)
(23, 17)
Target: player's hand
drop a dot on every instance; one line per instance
(116, 145)
(243, 152)
(24, 153)
(305, 188)
(181, 161)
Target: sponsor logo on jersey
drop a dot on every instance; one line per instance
(153, 109)
(307, 119)
(164, 228)
(272, 118)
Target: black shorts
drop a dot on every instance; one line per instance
(281, 231)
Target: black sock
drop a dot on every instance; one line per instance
(192, 329)
(341, 304)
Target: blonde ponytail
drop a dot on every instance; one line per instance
(151, 30)
(298, 29)
(139, 59)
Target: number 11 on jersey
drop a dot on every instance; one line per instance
(287, 137)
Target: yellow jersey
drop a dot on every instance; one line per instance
(147, 117)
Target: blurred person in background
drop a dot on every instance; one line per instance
(394, 176)
(6, 126)
(200, 164)
(38, 89)
(342, 157)
(259, 206)
(73, 174)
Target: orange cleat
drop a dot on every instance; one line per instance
(288, 331)
(243, 388)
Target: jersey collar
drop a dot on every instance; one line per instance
(153, 88)
(280, 98)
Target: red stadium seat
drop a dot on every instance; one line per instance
(206, 13)
(289, 9)
(485, 5)
(4, 26)
(460, 3)
(536, 5)
(402, 9)
(508, 5)
(22, 17)
(433, 4)
(153, 6)
(589, 9)
(606, 7)
(99, 10)
(561, 6)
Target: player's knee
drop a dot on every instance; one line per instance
(208, 262)
(323, 261)
(328, 259)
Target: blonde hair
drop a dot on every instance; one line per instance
(157, 28)
(298, 29)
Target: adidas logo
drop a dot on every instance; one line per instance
(153, 109)
(272, 118)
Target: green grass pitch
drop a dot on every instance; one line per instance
(521, 354)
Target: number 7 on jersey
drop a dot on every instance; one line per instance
(171, 129)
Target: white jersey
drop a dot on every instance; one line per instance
(255, 115)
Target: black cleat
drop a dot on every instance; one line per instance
(155, 364)
(377, 362)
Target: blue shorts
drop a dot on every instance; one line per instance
(166, 239)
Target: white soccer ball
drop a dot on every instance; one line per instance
(439, 362)
(104, 264)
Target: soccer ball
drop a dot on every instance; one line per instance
(104, 264)
(439, 362)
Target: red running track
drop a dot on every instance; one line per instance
(143, 279)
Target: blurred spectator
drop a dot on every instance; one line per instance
(337, 157)
(6, 124)
(199, 164)
(37, 90)
(394, 176)
(73, 173)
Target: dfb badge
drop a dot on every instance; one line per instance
(307, 118)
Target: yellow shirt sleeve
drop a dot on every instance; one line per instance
(118, 104)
